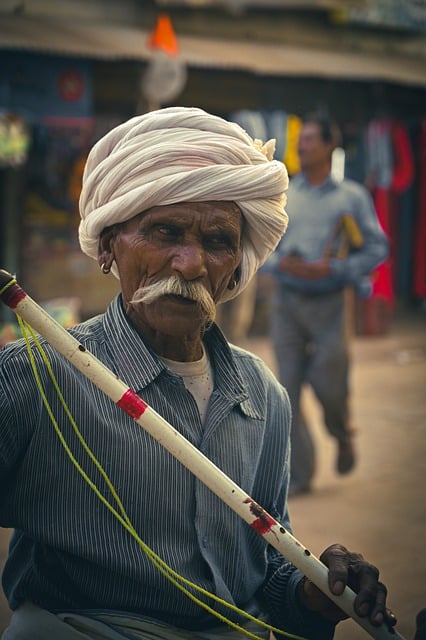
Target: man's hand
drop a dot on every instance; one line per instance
(420, 625)
(348, 569)
(300, 268)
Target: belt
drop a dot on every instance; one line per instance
(311, 294)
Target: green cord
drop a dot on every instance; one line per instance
(6, 286)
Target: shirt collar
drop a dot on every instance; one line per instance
(138, 366)
(328, 184)
(135, 363)
(228, 376)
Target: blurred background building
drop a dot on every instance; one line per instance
(72, 69)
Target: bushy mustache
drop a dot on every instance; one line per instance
(176, 286)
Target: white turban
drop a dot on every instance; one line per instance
(181, 154)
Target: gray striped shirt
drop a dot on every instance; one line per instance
(68, 551)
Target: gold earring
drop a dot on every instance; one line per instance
(105, 269)
(232, 284)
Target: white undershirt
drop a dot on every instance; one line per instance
(198, 379)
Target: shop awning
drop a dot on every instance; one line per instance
(117, 42)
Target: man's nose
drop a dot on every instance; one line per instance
(189, 261)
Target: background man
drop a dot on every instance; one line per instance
(333, 241)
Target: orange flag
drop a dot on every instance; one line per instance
(163, 36)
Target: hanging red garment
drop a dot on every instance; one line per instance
(385, 194)
(382, 276)
(419, 248)
(403, 171)
(403, 161)
(374, 313)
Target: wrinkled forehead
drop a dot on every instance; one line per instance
(205, 218)
(214, 213)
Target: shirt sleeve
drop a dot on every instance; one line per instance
(354, 266)
(9, 438)
(6, 433)
(374, 248)
(279, 589)
(284, 609)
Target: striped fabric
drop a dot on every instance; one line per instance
(68, 551)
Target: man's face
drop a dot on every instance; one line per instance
(197, 241)
(313, 150)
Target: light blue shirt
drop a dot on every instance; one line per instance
(314, 213)
(68, 551)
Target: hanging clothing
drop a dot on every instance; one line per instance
(419, 275)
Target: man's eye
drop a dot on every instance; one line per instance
(168, 231)
(218, 240)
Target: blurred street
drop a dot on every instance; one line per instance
(380, 509)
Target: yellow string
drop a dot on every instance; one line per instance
(7, 285)
(171, 575)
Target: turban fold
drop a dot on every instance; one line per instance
(181, 154)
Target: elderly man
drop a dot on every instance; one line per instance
(183, 207)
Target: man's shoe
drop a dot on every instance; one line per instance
(345, 457)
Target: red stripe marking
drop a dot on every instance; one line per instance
(264, 522)
(132, 404)
(13, 296)
(263, 525)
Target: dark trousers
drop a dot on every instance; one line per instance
(310, 342)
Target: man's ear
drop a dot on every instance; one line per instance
(106, 249)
